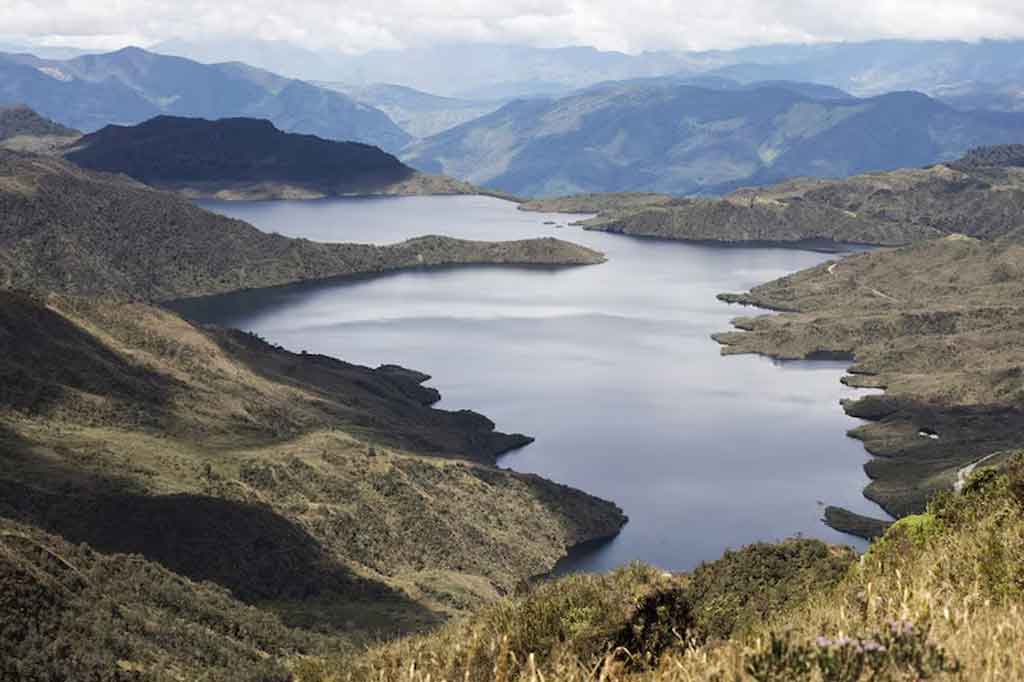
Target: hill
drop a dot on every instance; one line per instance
(329, 494)
(22, 129)
(246, 158)
(70, 230)
(980, 195)
(682, 139)
(19, 120)
(937, 325)
(929, 601)
(132, 85)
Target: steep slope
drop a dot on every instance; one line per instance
(980, 195)
(682, 139)
(938, 598)
(329, 493)
(70, 230)
(71, 613)
(133, 85)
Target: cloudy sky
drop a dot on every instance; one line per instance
(627, 25)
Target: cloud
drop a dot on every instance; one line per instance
(608, 24)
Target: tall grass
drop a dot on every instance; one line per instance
(941, 596)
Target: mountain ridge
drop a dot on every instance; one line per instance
(980, 195)
(685, 139)
(131, 85)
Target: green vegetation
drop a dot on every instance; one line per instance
(74, 231)
(937, 325)
(328, 494)
(18, 120)
(72, 614)
(980, 195)
(22, 129)
(936, 599)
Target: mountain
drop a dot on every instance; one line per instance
(277, 56)
(418, 113)
(981, 195)
(242, 157)
(682, 139)
(876, 67)
(69, 230)
(133, 85)
(1000, 96)
(470, 71)
(490, 71)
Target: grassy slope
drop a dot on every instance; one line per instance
(981, 196)
(329, 493)
(941, 592)
(68, 230)
(83, 615)
(938, 325)
(22, 129)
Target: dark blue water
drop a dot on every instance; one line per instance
(610, 367)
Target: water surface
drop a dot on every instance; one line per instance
(610, 367)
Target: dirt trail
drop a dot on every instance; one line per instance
(965, 473)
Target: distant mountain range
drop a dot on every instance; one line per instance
(468, 71)
(677, 123)
(876, 67)
(419, 113)
(133, 85)
(677, 138)
(503, 71)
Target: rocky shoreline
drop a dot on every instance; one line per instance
(935, 325)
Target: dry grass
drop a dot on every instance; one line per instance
(956, 574)
(373, 512)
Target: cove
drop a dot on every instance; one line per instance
(611, 368)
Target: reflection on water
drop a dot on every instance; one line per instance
(610, 367)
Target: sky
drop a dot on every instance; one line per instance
(624, 25)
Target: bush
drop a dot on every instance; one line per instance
(899, 652)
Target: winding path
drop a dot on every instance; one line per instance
(965, 472)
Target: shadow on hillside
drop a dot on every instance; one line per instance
(259, 555)
(44, 359)
(388, 407)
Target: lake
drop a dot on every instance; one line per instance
(611, 367)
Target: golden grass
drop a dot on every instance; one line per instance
(955, 573)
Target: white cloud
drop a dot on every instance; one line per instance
(631, 25)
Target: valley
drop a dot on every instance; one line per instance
(359, 344)
(610, 367)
